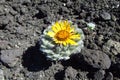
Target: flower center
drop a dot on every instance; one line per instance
(62, 35)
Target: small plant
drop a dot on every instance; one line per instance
(61, 39)
(91, 26)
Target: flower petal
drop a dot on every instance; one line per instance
(71, 42)
(76, 36)
(67, 27)
(72, 29)
(51, 34)
(56, 27)
(64, 43)
(63, 27)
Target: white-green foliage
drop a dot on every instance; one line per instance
(55, 51)
(91, 26)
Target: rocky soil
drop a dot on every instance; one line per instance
(23, 21)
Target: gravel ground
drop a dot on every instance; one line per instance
(23, 21)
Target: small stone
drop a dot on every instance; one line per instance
(41, 75)
(3, 44)
(113, 46)
(24, 10)
(3, 22)
(69, 3)
(106, 49)
(109, 76)
(83, 14)
(1, 75)
(99, 75)
(113, 17)
(115, 4)
(96, 58)
(101, 37)
(43, 11)
(13, 12)
(106, 16)
(64, 9)
(10, 57)
(70, 73)
(16, 46)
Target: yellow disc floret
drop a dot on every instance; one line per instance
(62, 35)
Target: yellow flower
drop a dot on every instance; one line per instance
(64, 33)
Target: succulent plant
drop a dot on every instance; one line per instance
(61, 39)
(91, 26)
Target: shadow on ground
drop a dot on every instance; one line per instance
(77, 63)
(60, 75)
(34, 60)
(115, 68)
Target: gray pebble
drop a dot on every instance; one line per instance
(3, 22)
(10, 57)
(109, 76)
(99, 75)
(112, 46)
(106, 16)
(1, 75)
(70, 73)
(113, 17)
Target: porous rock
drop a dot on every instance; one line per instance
(70, 74)
(96, 58)
(99, 75)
